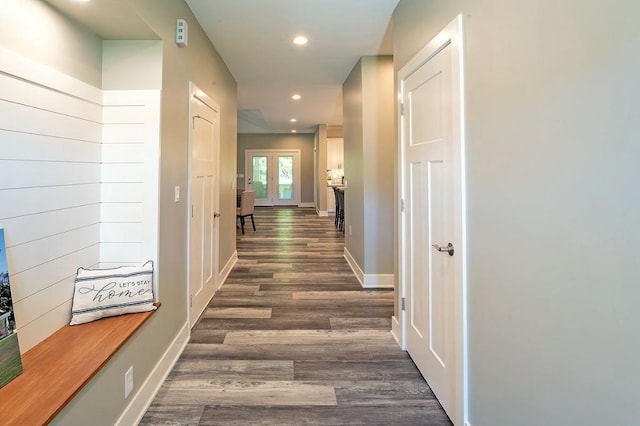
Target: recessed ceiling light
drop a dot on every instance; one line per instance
(294, 131)
(296, 97)
(293, 120)
(300, 40)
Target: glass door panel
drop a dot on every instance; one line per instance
(285, 177)
(260, 176)
(274, 175)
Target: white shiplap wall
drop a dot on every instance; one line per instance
(66, 199)
(130, 157)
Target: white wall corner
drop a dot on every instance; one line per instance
(226, 270)
(139, 404)
(354, 266)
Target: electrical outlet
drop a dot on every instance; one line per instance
(128, 382)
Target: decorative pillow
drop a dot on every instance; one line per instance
(100, 293)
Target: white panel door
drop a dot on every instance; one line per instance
(274, 175)
(204, 199)
(429, 221)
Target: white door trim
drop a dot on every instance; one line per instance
(452, 36)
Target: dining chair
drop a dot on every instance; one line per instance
(340, 208)
(247, 201)
(337, 210)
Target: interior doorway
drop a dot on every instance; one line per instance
(432, 250)
(204, 188)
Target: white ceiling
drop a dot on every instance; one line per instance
(254, 37)
(109, 19)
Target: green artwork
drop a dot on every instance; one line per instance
(10, 361)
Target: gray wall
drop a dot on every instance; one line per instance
(77, 52)
(369, 137)
(131, 64)
(35, 29)
(553, 233)
(353, 164)
(303, 142)
(378, 153)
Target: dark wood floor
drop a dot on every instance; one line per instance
(291, 338)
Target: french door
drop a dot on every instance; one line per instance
(274, 175)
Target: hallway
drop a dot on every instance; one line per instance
(291, 338)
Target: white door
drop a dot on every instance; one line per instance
(431, 186)
(203, 196)
(274, 175)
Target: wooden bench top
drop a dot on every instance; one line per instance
(58, 367)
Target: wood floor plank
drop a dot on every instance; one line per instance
(359, 323)
(203, 335)
(244, 288)
(278, 323)
(248, 393)
(383, 392)
(307, 337)
(292, 338)
(334, 311)
(337, 286)
(174, 415)
(340, 351)
(367, 296)
(355, 370)
(418, 414)
(237, 313)
(260, 299)
(226, 369)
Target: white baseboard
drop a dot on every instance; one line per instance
(354, 266)
(143, 399)
(368, 280)
(222, 276)
(307, 204)
(378, 280)
(396, 332)
(322, 213)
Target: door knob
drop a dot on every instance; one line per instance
(216, 215)
(447, 249)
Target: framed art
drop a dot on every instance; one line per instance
(10, 360)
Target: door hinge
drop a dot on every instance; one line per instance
(191, 211)
(402, 206)
(191, 302)
(402, 108)
(403, 304)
